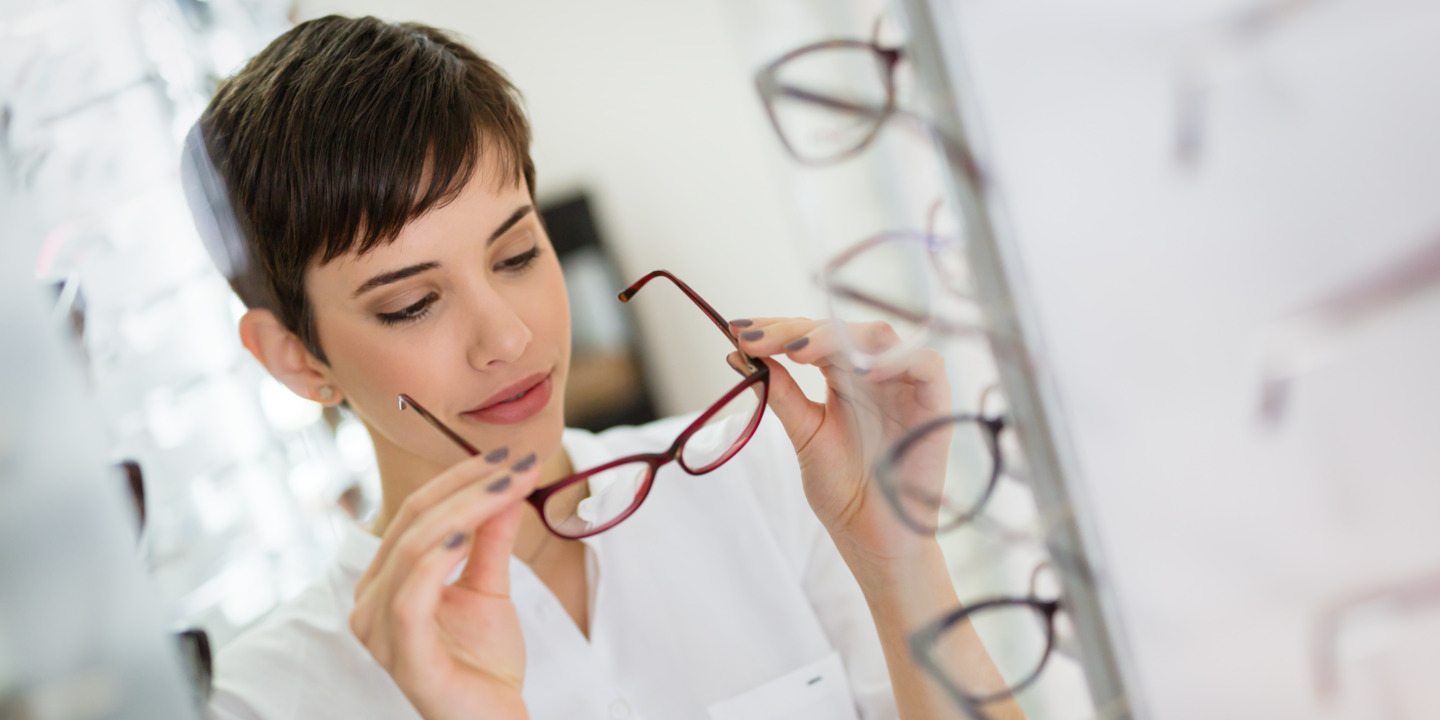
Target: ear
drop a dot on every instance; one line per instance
(287, 359)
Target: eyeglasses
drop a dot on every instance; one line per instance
(828, 100)
(1020, 634)
(973, 442)
(1201, 58)
(912, 280)
(1319, 333)
(595, 500)
(1387, 614)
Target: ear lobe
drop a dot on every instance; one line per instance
(282, 353)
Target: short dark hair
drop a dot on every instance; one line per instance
(343, 130)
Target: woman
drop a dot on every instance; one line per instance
(385, 239)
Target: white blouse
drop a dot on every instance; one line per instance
(722, 597)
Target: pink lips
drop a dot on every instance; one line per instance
(516, 403)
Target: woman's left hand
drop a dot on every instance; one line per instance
(863, 415)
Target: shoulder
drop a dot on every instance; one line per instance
(302, 661)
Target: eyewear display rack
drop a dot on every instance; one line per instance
(999, 289)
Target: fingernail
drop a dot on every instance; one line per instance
(525, 463)
(797, 344)
(742, 322)
(498, 454)
(499, 485)
(752, 335)
(455, 541)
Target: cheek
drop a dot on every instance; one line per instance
(375, 368)
(547, 305)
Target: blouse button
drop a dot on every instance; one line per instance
(619, 710)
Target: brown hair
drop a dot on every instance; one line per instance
(343, 130)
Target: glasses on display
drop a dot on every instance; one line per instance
(1319, 334)
(976, 464)
(829, 100)
(1203, 56)
(1020, 634)
(597, 499)
(914, 281)
(1404, 613)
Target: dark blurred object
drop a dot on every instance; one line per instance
(607, 384)
(352, 501)
(135, 480)
(195, 659)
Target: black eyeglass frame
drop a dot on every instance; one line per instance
(924, 640)
(886, 469)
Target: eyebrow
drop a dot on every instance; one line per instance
(397, 275)
(510, 222)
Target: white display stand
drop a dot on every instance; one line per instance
(1170, 193)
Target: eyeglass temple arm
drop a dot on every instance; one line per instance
(407, 401)
(831, 103)
(705, 307)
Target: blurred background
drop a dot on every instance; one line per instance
(1216, 221)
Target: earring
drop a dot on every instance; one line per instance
(326, 392)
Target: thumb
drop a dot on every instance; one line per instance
(800, 415)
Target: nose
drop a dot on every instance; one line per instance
(499, 335)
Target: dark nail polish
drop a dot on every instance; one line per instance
(499, 485)
(498, 454)
(525, 463)
(752, 335)
(742, 323)
(797, 344)
(455, 541)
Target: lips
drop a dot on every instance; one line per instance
(515, 402)
(510, 392)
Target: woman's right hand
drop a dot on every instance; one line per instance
(455, 650)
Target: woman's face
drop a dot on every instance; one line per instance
(464, 311)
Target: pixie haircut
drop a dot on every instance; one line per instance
(343, 130)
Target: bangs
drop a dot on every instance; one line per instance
(342, 131)
(412, 147)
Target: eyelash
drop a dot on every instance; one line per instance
(409, 314)
(521, 261)
(420, 309)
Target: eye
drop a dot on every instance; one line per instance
(408, 314)
(519, 262)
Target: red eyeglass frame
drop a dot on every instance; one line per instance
(756, 372)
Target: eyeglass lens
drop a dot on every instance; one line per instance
(715, 441)
(1018, 637)
(831, 100)
(911, 281)
(602, 500)
(968, 477)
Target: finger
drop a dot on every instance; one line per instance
(823, 346)
(800, 415)
(449, 524)
(470, 470)
(769, 336)
(404, 633)
(924, 365)
(487, 569)
(463, 512)
(460, 512)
